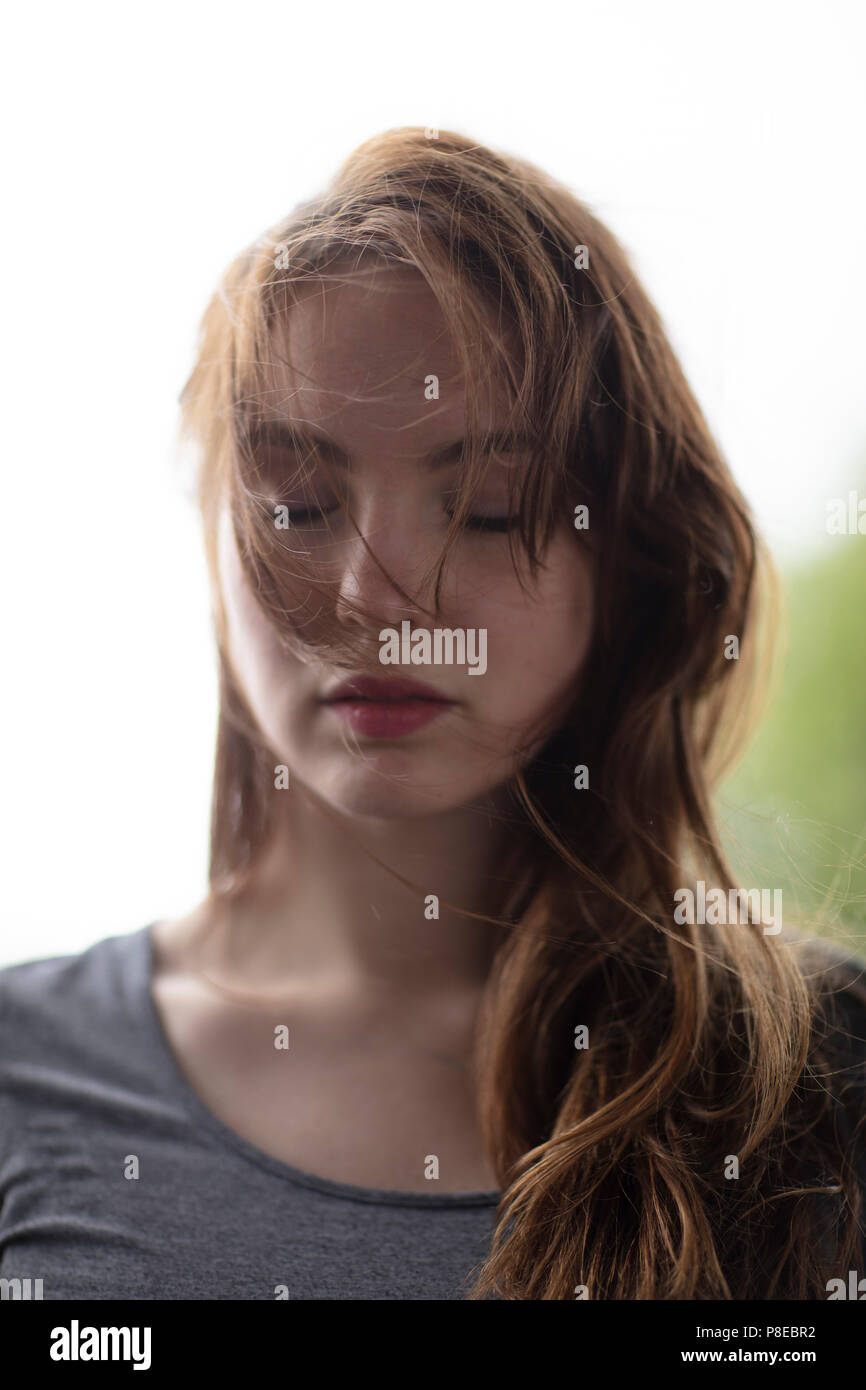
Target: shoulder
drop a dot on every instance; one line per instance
(70, 1035)
(834, 1077)
(836, 977)
(50, 998)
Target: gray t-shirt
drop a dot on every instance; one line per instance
(89, 1085)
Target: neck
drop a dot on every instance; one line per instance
(364, 903)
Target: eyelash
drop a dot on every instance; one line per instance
(499, 524)
(481, 524)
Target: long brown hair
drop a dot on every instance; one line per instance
(706, 1043)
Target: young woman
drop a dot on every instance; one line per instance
(488, 607)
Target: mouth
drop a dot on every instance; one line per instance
(386, 709)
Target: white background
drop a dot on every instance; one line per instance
(146, 145)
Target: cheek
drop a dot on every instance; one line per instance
(570, 601)
(256, 655)
(538, 640)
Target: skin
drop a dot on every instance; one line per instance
(381, 1002)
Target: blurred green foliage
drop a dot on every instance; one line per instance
(793, 812)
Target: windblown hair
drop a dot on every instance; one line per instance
(707, 1043)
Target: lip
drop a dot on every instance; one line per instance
(386, 709)
(364, 688)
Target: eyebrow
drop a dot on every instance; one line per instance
(288, 436)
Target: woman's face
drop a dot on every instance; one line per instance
(361, 355)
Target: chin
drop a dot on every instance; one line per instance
(378, 790)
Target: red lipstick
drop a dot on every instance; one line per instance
(377, 708)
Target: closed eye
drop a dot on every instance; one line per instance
(496, 524)
(487, 523)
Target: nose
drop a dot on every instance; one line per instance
(397, 554)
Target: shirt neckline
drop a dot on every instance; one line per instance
(204, 1116)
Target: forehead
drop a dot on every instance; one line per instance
(366, 357)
